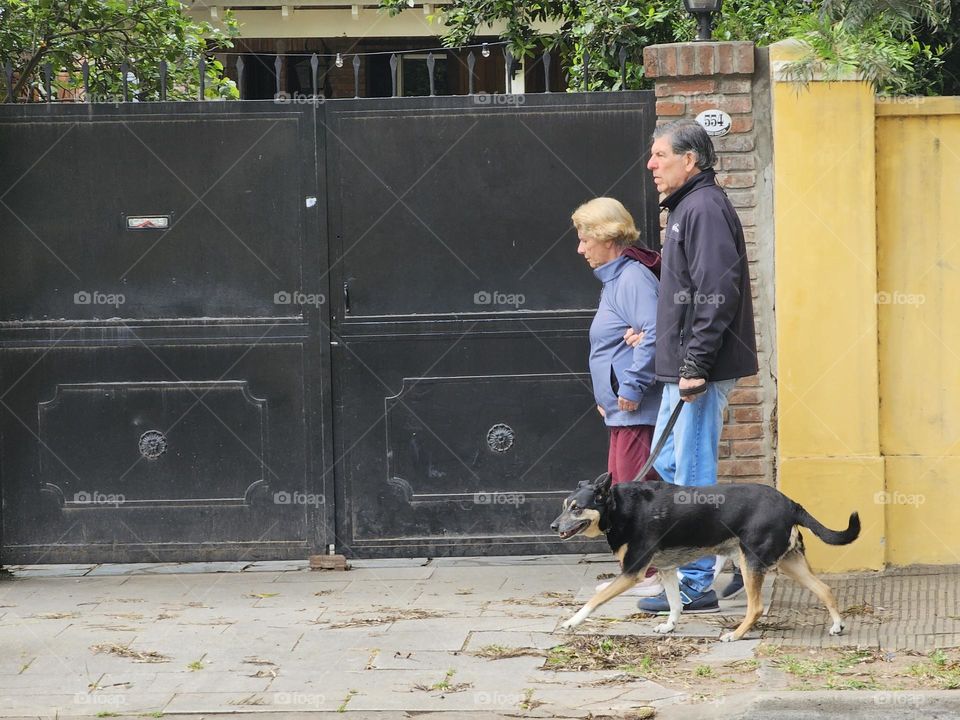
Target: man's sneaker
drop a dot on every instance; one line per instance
(692, 604)
(648, 587)
(734, 587)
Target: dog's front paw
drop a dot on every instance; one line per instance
(837, 628)
(728, 637)
(664, 628)
(578, 617)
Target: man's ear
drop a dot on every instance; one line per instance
(602, 483)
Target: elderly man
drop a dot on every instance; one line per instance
(705, 332)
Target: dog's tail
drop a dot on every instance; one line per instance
(831, 537)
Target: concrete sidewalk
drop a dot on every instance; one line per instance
(390, 638)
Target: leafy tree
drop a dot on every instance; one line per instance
(106, 34)
(901, 46)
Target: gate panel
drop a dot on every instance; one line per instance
(465, 412)
(163, 352)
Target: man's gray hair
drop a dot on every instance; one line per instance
(689, 136)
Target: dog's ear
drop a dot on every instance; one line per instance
(602, 483)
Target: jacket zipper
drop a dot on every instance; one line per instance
(683, 323)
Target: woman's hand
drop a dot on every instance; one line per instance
(632, 338)
(627, 405)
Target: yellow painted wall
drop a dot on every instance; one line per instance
(918, 250)
(922, 504)
(830, 489)
(867, 233)
(826, 278)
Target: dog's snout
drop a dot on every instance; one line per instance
(555, 525)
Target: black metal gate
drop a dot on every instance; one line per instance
(250, 330)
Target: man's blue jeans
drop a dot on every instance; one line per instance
(689, 457)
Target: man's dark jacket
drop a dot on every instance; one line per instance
(704, 312)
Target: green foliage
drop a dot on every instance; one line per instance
(599, 28)
(763, 21)
(107, 33)
(875, 38)
(900, 46)
(604, 28)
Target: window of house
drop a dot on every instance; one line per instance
(414, 78)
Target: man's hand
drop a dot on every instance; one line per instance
(633, 338)
(686, 383)
(603, 413)
(627, 405)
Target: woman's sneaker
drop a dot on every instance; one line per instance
(648, 587)
(692, 604)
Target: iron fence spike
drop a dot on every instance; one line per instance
(394, 62)
(356, 76)
(471, 65)
(546, 70)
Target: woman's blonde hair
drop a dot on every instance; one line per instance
(606, 219)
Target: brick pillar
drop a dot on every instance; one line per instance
(691, 78)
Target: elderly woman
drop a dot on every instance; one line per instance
(624, 386)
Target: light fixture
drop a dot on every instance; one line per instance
(339, 60)
(485, 51)
(703, 11)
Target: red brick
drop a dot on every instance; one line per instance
(752, 381)
(747, 218)
(724, 449)
(741, 431)
(686, 60)
(743, 198)
(736, 104)
(737, 180)
(748, 448)
(695, 86)
(743, 479)
(706, 63)
(667, 61)
(739, 467)
(725, 59)
(743, 58)
(741, 123)
(737, 162)
(734, 86)
(747, 414)
(734, 143)
(667, 107)
(744, 396)
(651, 66)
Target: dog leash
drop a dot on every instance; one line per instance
(668, 428)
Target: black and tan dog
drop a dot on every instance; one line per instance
(656, 523)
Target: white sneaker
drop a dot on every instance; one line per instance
(648, 587)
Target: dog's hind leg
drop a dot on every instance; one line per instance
(794, 565)
(671, 588)
(619, 584)
(753, 582)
